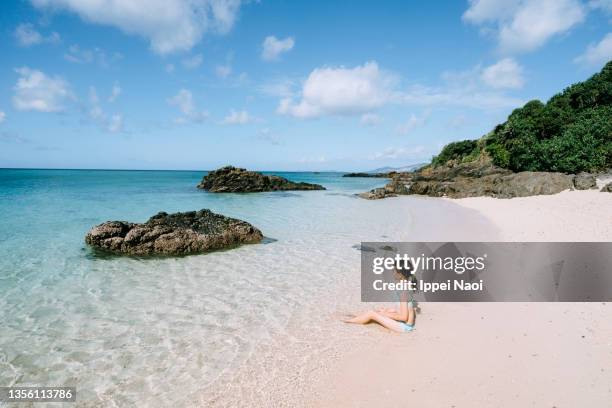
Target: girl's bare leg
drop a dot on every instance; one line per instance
(373, 316)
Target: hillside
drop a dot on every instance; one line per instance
(570, 133)
(540, 149)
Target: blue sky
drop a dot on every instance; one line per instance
(278, 85)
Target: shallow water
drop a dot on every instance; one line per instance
(134, 331)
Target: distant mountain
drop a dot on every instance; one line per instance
(411, 167)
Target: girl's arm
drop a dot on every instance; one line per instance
(405, 313)
(385, 309)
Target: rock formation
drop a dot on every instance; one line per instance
(173, 234)
(235, 180)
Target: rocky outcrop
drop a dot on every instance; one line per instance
(372, 175)
(377, 194)
(236, 180)
(185, 233)
(473, 179)
(395, 187)
(607, 188)
(523, 184)
(585, 181)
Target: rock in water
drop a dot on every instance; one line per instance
(585, 181)
(371, 175)
(185, 233)
(392, 189)
(235, 180)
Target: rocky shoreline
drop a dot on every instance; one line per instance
(371, 175)
(480, 178)
(231, 179)
(186, 233)
(193, 232)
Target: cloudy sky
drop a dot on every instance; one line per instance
(277, 85)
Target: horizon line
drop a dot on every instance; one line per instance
(184, 170)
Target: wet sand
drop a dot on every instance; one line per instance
(460, 355)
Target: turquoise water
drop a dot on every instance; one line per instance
(155, 332)
(44, 214)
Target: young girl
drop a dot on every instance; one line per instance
(401, 320)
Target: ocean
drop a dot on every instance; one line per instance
(156, 331)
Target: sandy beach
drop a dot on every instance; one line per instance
(567, 216)
(204, 203)
(460, 355)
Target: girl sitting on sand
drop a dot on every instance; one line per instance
(401, 320)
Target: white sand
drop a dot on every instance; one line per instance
(567, 216)
(461, 355)
(481, 355)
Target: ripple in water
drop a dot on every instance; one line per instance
(156, 331)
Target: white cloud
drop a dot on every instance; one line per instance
(237, 118)
(605, 5)
(506, 73)
(266, 135)
(272, 47)
(597, 54)
(115, 124)
(467, 78)
(192, 62)
(223, 71)
(412, 123)
(13, 137)
(281, 88)
(457, 122)
(96, 113)
(184, 101)
(93, 96)
(364, 89)
(466, 89)
(313, 160)
(169, 25)
(77, 55)
(115, 92)
(525, 25)
(370, 119)
(465, 97)
(341, 91)
(27, 35)
(35, 91)
(393, 153)
(481, 11)
(243, 77)
(2, 116)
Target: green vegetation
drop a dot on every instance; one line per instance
(465, 150)
(572, 132)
